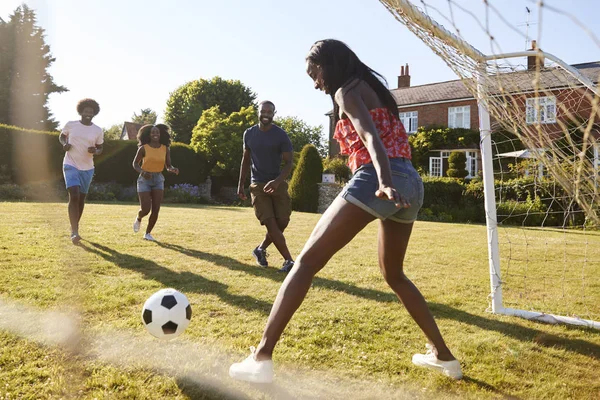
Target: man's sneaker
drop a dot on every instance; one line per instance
(287, 266)
(136, 225)
(430, 360)
(75, 238)
(251, 370)
(261, 256)
(148, 236)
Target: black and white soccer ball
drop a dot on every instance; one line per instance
(166, 314)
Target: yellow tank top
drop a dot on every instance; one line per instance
(154, 160)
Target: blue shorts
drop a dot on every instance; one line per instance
(156, 182)
(75, 177)
(361, 189)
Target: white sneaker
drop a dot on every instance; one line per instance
(251, 370)
(430, 360)
(136, 225)
(148, 236)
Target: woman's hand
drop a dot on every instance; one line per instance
(389, 193)
(146, 175)
(173, 170)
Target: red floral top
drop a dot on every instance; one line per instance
(391, 132)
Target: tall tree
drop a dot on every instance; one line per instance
(219, 137)
(146, 116)
(187, 103)
(25, 83)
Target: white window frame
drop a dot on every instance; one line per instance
(540, 110)
(459, 117)
(472, 164)
(410, 120)
(435, 168)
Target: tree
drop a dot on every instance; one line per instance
(187, 103)
(304, 189)
(147, 116)
(25, 83)
(301, 134)
(114, 132)
(218, 136)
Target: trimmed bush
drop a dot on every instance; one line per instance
(304, 189)
(457, 165)
(41, 157)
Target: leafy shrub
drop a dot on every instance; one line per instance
(338, 167)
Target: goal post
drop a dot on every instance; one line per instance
(546, 257)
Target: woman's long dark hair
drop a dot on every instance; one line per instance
(341, 65)
(143, 135)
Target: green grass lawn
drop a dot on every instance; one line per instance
(350, 339)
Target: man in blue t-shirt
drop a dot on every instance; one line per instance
(265, 146)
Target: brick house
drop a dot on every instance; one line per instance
(450, 104)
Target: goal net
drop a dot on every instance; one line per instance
(539, 121)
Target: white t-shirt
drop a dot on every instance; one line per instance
(80, 137)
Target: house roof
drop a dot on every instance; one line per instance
(132, 129)
(517, 81)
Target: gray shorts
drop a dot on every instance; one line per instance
(360, 191)
(156, 182)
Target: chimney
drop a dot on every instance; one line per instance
(404, 78)
(532, 60)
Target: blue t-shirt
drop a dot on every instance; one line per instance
(266, 150)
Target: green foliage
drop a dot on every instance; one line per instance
(114, 132)
(188, 102)
(113, 165)
(301, 134)
(427, 139)
(339, 167)
(146, 116)
(304, 189)
(218, 137)
(25, 83)
(457, 165)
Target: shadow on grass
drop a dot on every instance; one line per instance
(184, 281)
(275, 275)
(513, 330)
(519, 332)
(443, 311)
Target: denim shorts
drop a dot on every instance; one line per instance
(361, 189)
(156, 182)
(76, 177)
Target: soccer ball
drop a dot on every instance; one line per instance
(166, 314)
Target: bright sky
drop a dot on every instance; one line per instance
(130, 54)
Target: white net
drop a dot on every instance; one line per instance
(545, 127)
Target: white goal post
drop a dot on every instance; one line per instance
(501, 90)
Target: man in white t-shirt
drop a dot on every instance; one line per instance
(81, 141)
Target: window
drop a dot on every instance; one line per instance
(410, 120)
(435, 166)
(472, 167)
(459, 117)
(541, 110)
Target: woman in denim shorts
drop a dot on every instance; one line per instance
(151, 158)
(384, 186)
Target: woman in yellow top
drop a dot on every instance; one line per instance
(152, 157)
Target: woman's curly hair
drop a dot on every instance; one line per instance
(143, 135)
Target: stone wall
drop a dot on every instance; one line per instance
(327, 193)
